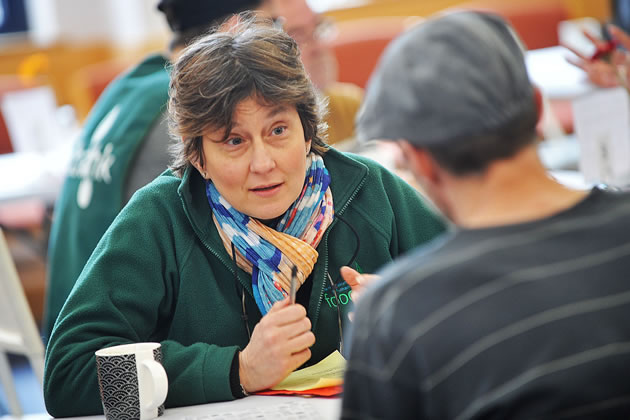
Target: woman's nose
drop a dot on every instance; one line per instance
(262, 159)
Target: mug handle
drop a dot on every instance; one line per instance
(160, 382)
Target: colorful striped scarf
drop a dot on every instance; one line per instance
(270, 254)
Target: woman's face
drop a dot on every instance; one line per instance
(260, 168)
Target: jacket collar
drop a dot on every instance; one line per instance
(347, 174)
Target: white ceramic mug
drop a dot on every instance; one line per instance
(132, 381)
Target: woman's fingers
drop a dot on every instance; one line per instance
(605, 73)
(280, 343)
(595, 40)
(599, 72)
(279, 305)
(299, 358)
(296, 328)
(282, 312)
(572, 60)
(301, 342)
(602, 74)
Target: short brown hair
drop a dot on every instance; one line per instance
(215, 73)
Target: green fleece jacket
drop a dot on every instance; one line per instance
(161, 273)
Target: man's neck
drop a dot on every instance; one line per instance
(511, 191)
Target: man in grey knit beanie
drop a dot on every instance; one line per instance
(521, 312)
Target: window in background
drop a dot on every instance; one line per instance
(320, 6)
(12, 16)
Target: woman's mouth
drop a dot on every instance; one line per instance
(266, 190)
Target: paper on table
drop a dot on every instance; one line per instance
(602, 125)
(329, 391)
(328, 372)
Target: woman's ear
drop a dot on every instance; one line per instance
(196, 162)
(308, 146)
(200, 168)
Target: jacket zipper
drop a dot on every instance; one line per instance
(321, 293)
(345, 206)
(225, 263)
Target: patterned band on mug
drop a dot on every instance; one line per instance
(118, 383)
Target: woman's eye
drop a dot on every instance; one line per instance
(234, 141)
(279, 130)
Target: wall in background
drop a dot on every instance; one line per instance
(352, 9)
(67, 37)
(124, 23)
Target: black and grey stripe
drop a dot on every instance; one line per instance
(523, 321)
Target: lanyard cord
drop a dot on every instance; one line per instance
(333, 285)
(244, 316)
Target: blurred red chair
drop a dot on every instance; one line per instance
(8, 83)
(5, 141)
(535, 21)
(360, 42)
(88, 82)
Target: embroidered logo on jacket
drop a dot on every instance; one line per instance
(93, 164)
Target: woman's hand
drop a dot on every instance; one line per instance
(279, 345)
(358, 282)
(605, 72)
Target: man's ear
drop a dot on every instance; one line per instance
(420, 163)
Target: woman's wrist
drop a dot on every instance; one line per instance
(238, 390)
(242, 374)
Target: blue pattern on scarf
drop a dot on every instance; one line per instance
(264, 256)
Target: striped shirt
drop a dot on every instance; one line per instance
(527, 321)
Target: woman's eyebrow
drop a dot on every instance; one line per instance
(278, 109)
(270, 113)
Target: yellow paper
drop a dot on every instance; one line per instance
(328, 372)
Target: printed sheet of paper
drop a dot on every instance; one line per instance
(328, 372)
(602, 125)
(302, 410)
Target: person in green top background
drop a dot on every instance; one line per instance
(201, 259)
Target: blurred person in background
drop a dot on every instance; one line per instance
(521, 314)
(124, 142)
(201, 259)
(609, 66)
(313, 33)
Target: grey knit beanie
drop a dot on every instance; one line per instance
(457, 75)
